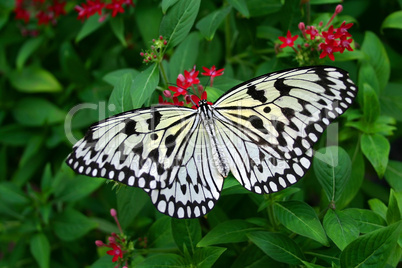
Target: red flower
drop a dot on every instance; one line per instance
(196, 100)
(212, 72)
(328, 49)
(345, 43)
(288, 41)
(22, 14)
(44, 18)
(116, 6)
(116, 252)
(58, 8)
(312, 31)
(95, 6)
(330, 35)
(191, 77)
(175, 101)
(182, 85)
(343, 29)
(82, 11)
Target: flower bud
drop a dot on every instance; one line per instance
(167, 93)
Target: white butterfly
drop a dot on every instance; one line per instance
(262, 131)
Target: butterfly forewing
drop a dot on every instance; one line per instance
(265, 127)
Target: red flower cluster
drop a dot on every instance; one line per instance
(97, 6)
(186, 83)
(44, 11)
(117, 243)
(326, 42)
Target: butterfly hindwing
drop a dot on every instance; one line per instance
(163, 150)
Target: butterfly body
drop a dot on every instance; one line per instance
(262, 131)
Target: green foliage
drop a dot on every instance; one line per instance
(346, 212)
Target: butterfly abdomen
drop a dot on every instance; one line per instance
(218, 156)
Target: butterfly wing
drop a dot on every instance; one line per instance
(270, 124)
(163, 150)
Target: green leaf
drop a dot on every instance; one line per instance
(333, 171)
(166, 4)
(206, 257)
(371, 107)
(40, 249)
(165, 260)
(177, 23)
(184, 56)
(394, 209)
(366, 220)
(263, 7)
(186, 233)
(356, 178)
(117, 25)
(37, 112)
(126, 197)
(300, 218)
(394, 20)
(253, 257)
(148, 20)
(121, 97)
(209, 24)
(372, 249)
(391, 101)
(113, 78)
(90, 25)
(15, 135)
(376, 148)
(67, 186)
(393, 175)
(340, 227)
(368, 76)
(378, 207)
(377, 57)
(241, 6)
(278, 246)
(10, 194)
(160, 233)
(34, 80)
(72, 65)
(26, 51)
(71, 225)
(144, 85)
(33, 147)
(232, 231)
(268, 32)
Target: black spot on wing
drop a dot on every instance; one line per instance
(282, 87)
(129, 128)
(155, 119)
(256, 94)
(257, 123)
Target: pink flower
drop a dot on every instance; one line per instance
(312, 31)
(288, 41)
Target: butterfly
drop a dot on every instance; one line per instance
(262, 131)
